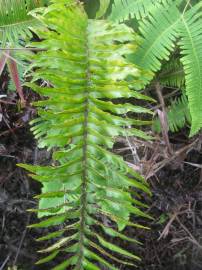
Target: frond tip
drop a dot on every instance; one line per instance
(86, 66)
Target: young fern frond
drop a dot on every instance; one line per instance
(86, 67)
(178, 115)
(191, 46)
(15, 21)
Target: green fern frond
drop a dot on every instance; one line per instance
(172, 73)
(159, 32)
(86, 66)
(164, 24)
(14, 19)
(178, 115)
(191, 45)
(123, 10)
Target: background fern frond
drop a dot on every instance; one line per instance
(86, 67)
(165, 23)
(159, 32)
(172, 73)
(123, 10)
(14, 19)
(178, 115)
(191, 45)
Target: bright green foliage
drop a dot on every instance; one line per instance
(14, 19)
(191, 45)
(177, 114)
(166, 23)
(158, 37)
(89, 186)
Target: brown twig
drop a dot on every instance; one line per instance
(167, 227)
(21, 241)
(163, 118)
(191, 237)
(7, 102)
(5, 262)
(161, 164)
(4, 133)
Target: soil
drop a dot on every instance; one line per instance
(174, 240)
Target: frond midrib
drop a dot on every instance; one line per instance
(84, 161)
(18, 23)
(167, 74)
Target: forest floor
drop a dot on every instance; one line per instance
(175, 238)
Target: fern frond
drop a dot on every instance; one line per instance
(14, 19)
(159, 32)
(164, 22)
(123, 10)
(86, 66)
(178, 115)
(172, 73)
(191, 45)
